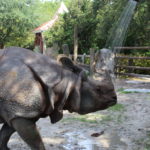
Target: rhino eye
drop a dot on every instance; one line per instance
(98, 89)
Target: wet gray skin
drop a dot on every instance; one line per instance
(33, 86)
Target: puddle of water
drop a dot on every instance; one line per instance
(138, 80)
(113, 141)
(80, 141)
(137, 90)
(89, 144)
(134, 82)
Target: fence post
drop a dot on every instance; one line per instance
(116, 61)
(65, 49)
(75, 43)
(83, 58)
(92, 60)
(53, 51)
(130, 63)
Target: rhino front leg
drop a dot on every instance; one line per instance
(29, 133)
(5, 134)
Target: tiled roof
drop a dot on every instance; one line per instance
(62, 9)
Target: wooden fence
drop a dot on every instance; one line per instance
(126, 65)
(126, 69)
(129, 68)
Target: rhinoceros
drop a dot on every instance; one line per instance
(33, 86)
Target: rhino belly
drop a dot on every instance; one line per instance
(20, 93)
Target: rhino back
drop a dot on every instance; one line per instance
(47, 69)
(20, 94)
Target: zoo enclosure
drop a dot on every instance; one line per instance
(125, 65)
(132, 65)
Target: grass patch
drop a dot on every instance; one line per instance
(117, 107)
(90, 118)
(106, 118)
(119, 118)
(84, 119)
(128, 92)
(114, 114)
(121, 90)
(144, 142)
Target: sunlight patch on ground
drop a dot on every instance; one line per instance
(141, 79)
(12, 140)
(53, 140)
(112, 139)
(137, 90)
(89, 118)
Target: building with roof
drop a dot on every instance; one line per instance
(39, 42)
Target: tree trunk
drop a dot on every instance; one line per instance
(75, 42)
(65, 49)
(92, 61)
(1, 46)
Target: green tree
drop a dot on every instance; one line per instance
(46, 10)
(81, 15)
(107, 18)
(139, 31)
(95, 20)
(16, 22)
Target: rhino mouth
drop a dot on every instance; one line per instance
(112, 103)
(71, 111)
(83, 111)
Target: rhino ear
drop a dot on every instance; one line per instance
(83, 76)
(68, 64)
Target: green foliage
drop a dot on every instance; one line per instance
(45, 10)
(139, 31)
(80, 13)
(16, 21)
(95, 20)
(107, 19)
(51, 36)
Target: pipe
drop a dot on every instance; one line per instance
(137, 0)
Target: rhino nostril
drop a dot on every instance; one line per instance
(114, 98)
(113, 102)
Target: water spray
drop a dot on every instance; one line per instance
(137, 0)
(116, 38)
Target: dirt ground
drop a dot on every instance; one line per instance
(125, 126)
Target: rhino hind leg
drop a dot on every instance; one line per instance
(5, 134)
(29, 133)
